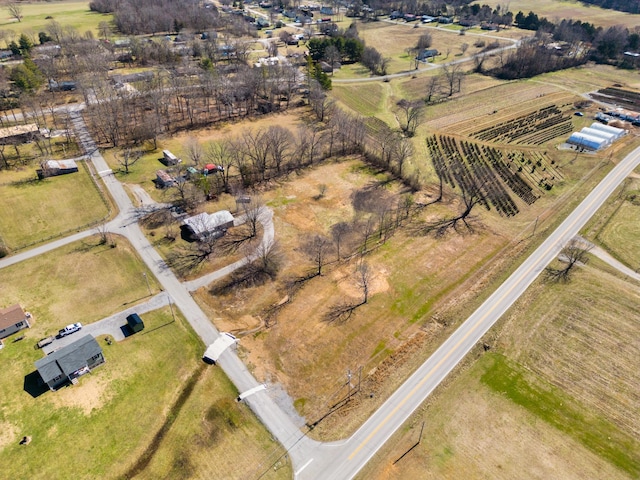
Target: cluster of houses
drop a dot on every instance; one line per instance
(164, 178)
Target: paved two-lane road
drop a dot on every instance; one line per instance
(345, 459)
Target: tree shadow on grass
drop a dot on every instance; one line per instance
(34, 385)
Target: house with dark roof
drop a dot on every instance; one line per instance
(70, 362)
(13, 319)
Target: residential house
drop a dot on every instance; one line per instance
(18, 134)
(13, 319)
(70, 362)
(206, 225)
(427, 53)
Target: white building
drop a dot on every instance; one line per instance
(205, 225)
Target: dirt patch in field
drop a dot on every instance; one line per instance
(8, 434)
(91, 392)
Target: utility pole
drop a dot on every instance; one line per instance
(349, 385)
(535, 225)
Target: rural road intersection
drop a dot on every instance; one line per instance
(344, 459)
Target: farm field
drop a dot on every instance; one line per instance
(43, 209)
(559, 9)
(68, 13)
(549, 397)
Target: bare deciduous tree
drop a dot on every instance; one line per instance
(453, 76)
(338, 232)
(317, 249)
(127, 157)
(364, 274)
(410, 115)
(15, 10)
(194, 150)
(574, 253)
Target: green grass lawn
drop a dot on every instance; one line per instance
(143, 172)
(42, 209)
(620, 235)
(102, 426)
(216, 437)
(367, 101)
(97, 428)
(80, 282)
(67, 13)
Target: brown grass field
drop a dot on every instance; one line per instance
(562, 406)
(387, 336)
(558, 9)
(619, 233)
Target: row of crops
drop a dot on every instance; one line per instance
(492, 172)
(534, 128)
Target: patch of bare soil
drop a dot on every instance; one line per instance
(8, 434)
(89, 393)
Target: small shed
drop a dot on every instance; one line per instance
(53, 168)
(169, 158)
(164, 180)
(135, 323)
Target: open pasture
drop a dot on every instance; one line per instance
(68, 13)
(43, 209)
(558, 9)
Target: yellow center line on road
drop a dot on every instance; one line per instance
(457, 345)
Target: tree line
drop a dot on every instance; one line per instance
(135, 17)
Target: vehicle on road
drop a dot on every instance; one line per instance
(69, 329)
